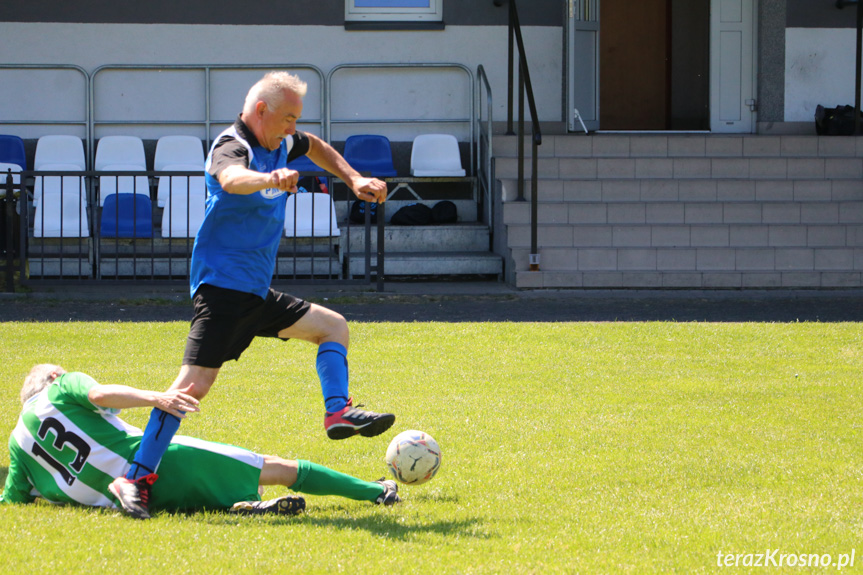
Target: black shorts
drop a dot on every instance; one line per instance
(226, 321)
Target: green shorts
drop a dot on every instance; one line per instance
(195, 474)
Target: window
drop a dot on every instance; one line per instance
(393, 10)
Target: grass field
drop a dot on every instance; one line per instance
(567, 448)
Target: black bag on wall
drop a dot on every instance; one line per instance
(838, 121)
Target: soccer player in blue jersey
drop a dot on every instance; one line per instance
(233, 260)
(69, 444)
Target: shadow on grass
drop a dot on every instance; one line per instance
(4, 473)
(391, 525)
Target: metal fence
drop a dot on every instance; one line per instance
(63, 225)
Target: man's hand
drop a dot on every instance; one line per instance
(285, 179)
(176, 402)
(370, 189)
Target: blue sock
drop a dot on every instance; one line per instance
(332, 367)
(157, 436)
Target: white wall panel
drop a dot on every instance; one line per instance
(93, 45)
(819, 69)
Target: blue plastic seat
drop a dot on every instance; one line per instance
(12, 150)
(127, 216)
(370, 153)
(12, 157)
(304, 164)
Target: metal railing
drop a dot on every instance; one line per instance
(18, 120)
(88, 236)
(87, 259)
(424, 66)
(524, 88)
(207, 72)
(485, 153)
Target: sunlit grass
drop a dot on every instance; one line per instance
(578, 447)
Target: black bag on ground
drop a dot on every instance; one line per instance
(838, 121)
(412, 215)
(358, 212)
(444, 212)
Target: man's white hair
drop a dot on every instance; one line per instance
(271, 90)
(40, 377)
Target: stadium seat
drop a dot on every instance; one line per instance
(436, 155)
(168, 184)
(370, 153)
(310, 215)
(174, 150)
(121, 154)
(61, 206)
(184, 199)
(109, 185)
(304, 164)
(120, 150)
(174, 153)
(127, 216)
(12, 157)
(68, 150)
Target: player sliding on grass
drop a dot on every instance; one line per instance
(232, 265)
(69, 444)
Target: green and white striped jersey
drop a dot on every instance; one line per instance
(64, 449)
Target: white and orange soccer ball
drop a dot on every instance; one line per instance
(413, 457)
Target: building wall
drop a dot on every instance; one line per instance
(806, 49)
(820, 58)
(311, 32)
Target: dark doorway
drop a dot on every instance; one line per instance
(654, 65)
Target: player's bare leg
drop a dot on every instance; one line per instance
(329, 331)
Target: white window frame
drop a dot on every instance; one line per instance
(434, 13)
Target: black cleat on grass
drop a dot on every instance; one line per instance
(287, 505)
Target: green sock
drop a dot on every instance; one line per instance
(314, 479)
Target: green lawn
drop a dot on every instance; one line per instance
(567, 448)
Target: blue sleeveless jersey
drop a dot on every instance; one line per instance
(237, 243)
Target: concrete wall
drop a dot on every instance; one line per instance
(820, 55)
(310, 32)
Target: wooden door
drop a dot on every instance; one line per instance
(634, 65)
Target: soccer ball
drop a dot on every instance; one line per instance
(413, 457)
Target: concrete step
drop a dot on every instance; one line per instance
(661, 190)
(686, 213)
(739, 259)
(686, 280)
(433, 264)
(683, 146)
(761, 168)
(463, 237)
(695, 236)
(145, 267)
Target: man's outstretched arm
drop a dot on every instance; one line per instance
(174, 401)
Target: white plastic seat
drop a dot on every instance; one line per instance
(436, 155)
(176, 150)
(67, 150)
(54, 181)
(167, 183)
(310, 215)
(183, 199)
(61, 205)
(122, 184)
(120, 150)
